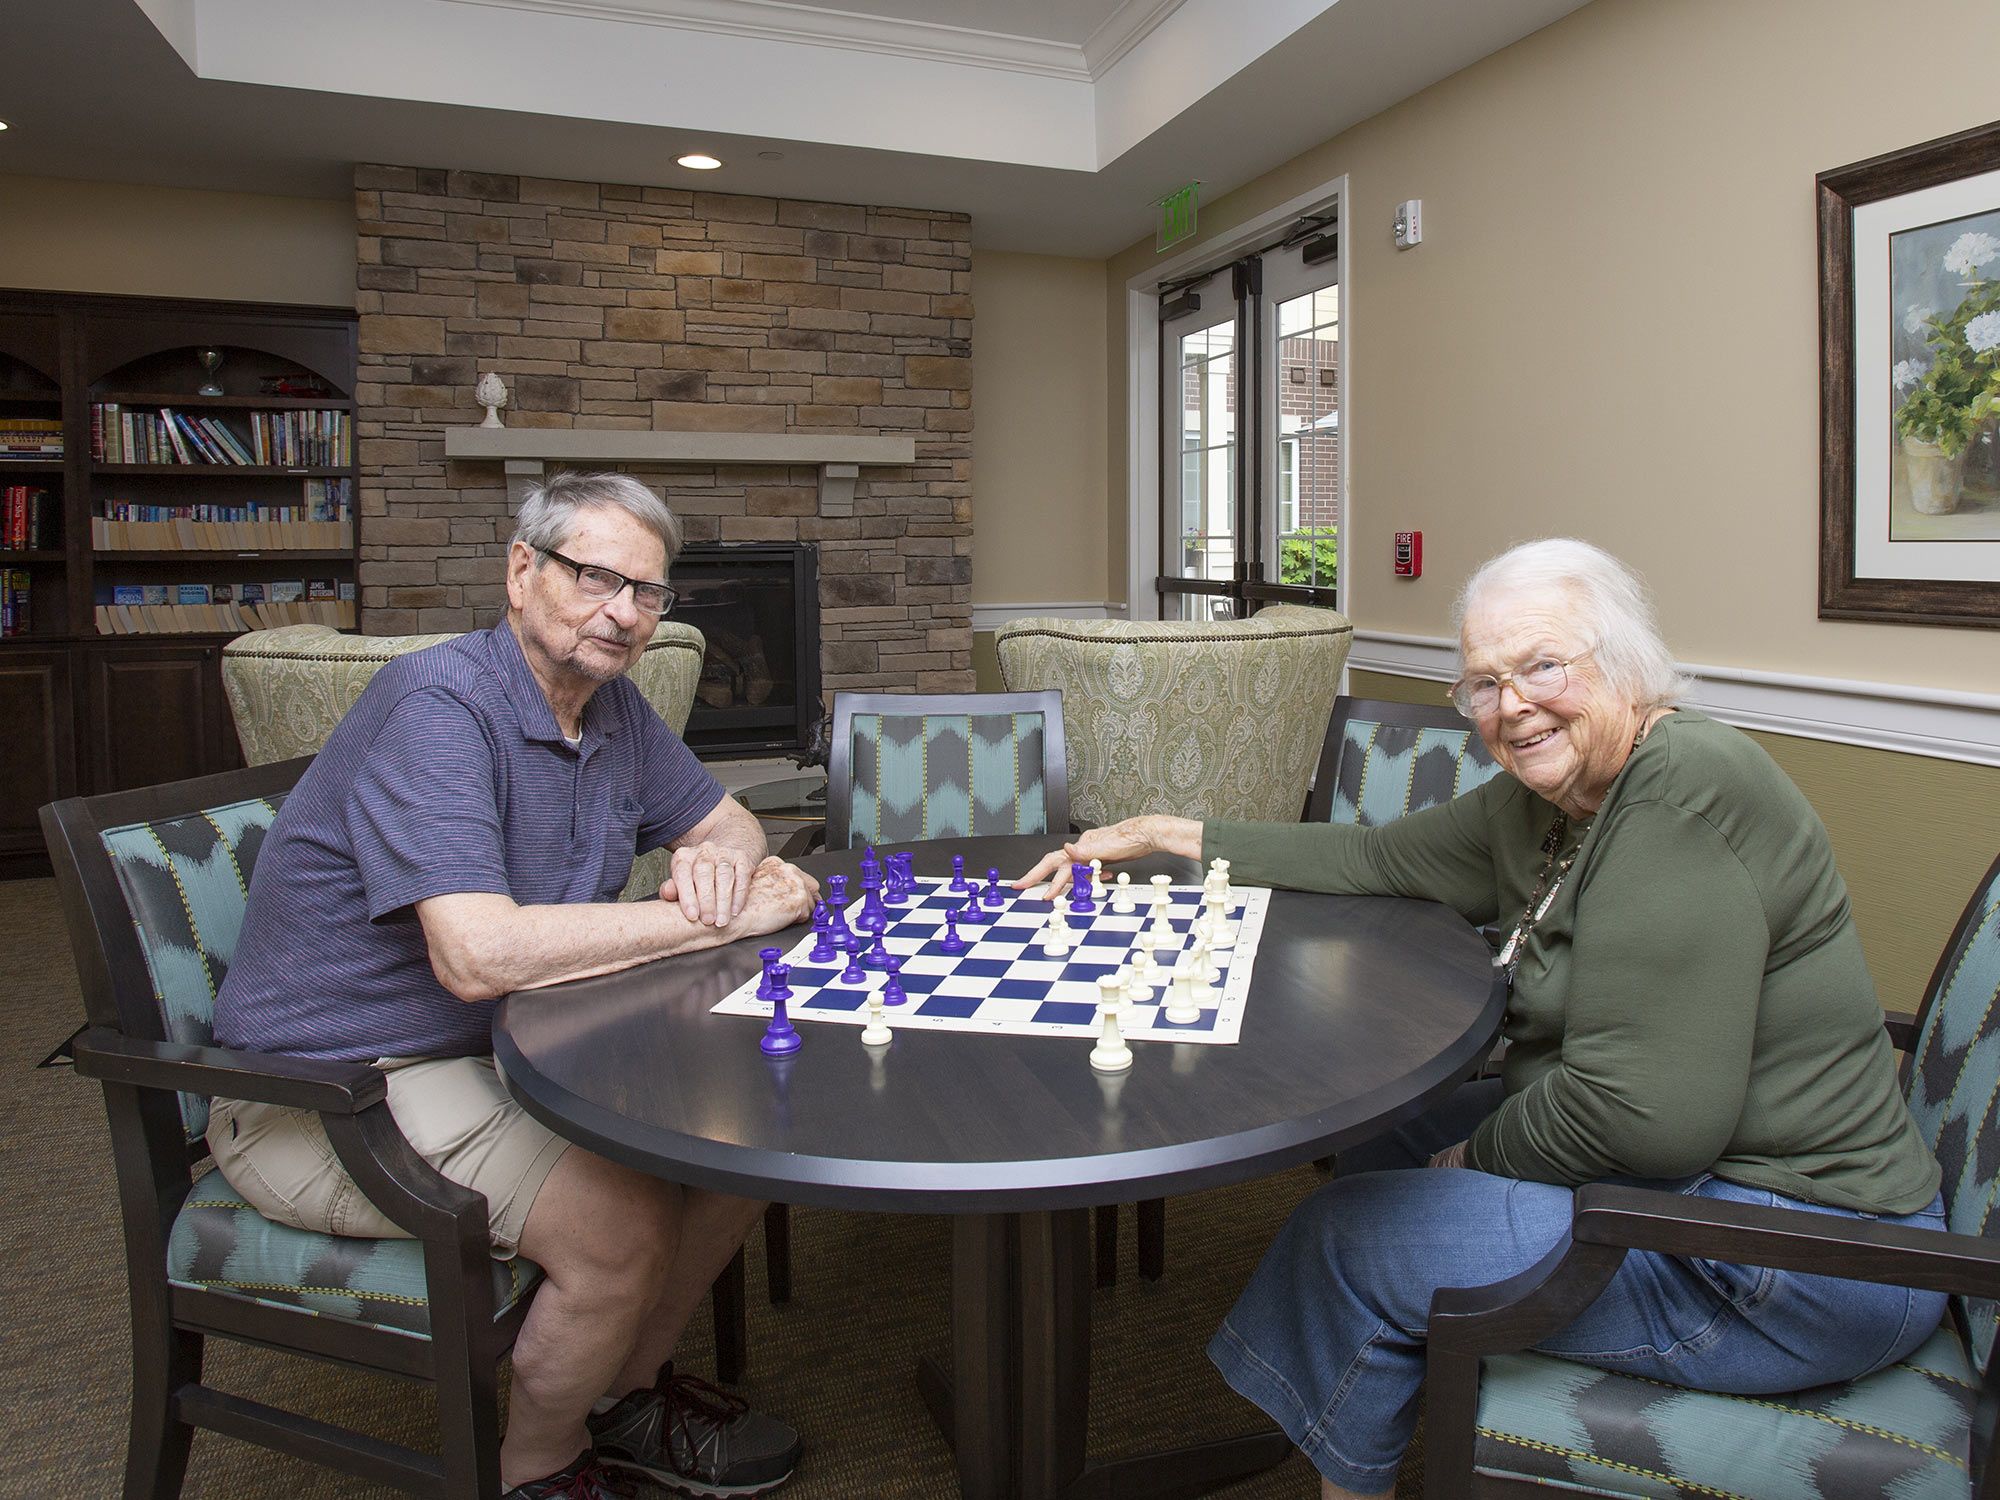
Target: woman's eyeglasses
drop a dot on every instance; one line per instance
(602, 583)
(1538, 682)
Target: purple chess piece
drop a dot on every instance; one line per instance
(892, 992)
(972, 911)
(951, 942)
(959, 885)
(871, 869)
(994, 896)
(822, 948)
(877, 956)
(895, 882)
(767, 988)
(873, 916)
(1079, 890)
(837, 892)
(781, 1038)
(853, 973)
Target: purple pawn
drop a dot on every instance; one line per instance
(781, 1038)
(959, 885)
(994, 896)
(972, 911)
(853, 973)
(892, 992)
(951, 942)
(1079, 890)
(877, 956)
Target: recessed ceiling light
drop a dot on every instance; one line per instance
(698, 162)
(3, 124)
(770, 156)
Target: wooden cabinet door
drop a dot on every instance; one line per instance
(156, 713)
(37, 762)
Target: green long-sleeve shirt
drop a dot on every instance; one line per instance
(1694, 1000)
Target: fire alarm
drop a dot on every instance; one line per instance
(1409, 554)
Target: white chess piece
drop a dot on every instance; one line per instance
(1121, 895)
(1111, 990)
(1096, 879)
(1221, 931)
(1203, 960)
(876, 1033)
(1055, 936)
(1161, 883)
(1182, 1008)
(1110, 1055)
(1162, 926)
(1147, 968)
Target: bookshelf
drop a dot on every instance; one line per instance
(175, 472)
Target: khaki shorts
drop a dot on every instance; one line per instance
(455, 1112)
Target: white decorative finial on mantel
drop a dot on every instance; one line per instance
(491, 394)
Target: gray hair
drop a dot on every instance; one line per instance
(1612, 606)
(549, 513)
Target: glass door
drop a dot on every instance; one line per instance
(1200, 384)
(1302, 437)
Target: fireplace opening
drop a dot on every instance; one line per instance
(757, 606)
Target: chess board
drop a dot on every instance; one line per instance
(1004, 983)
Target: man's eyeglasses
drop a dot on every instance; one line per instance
(602, 583)
(1538, 682)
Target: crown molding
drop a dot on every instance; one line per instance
(777, 21)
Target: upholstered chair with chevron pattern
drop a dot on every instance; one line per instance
(153, 886)
(1503, 1422)
(909, 767)
(1382, 760)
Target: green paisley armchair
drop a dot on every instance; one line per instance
(288, 687)
(1221, 720)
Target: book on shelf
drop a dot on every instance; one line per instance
(14, 612)
(185, 534)
(30, 439)
(306, 439)
(215, 617)
(27, 519)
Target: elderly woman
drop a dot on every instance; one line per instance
(1688, 1008)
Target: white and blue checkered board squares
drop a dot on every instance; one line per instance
(1004, 982)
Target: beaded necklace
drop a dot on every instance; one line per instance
(1547, 884)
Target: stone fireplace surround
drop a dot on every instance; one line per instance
(782, 371)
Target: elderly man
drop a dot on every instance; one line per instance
(464, 834)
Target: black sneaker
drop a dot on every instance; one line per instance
(690, 1438)
(584, 1479)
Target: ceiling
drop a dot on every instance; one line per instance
(1057, 124)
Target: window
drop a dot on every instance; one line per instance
(1249, 358)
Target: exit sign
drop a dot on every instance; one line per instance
(1176, 217)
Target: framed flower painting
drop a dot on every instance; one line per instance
(1909, 328)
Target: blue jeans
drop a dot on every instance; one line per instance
(1329, 1335)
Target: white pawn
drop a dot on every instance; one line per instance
(1055, 936)
(1121, 895)
(1182, 1008)
(1221, 931)
(1110, 1055)
(876, 1033)
(1096, 879)
(1111, 991)
(1147, 968)
(1203, 961)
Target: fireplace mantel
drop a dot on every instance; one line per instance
(526, 451)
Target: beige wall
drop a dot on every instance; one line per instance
(64, 236)
(1039, 511)
(1610, 328)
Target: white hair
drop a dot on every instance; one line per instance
(549, 513)
(1610, 603)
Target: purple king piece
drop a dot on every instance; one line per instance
(1079, 890)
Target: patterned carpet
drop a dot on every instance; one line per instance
(870, 1295)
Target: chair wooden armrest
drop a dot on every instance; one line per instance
(263, 1077)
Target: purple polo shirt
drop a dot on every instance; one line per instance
(449, 774)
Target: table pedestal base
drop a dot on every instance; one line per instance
(1016, 1405)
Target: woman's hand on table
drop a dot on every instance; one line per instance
(1150, 833)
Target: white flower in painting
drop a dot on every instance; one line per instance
(1907, 373)
(1970, 251)
(1983, 332)
(1916, 319)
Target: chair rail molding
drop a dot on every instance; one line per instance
(1938, 722)
(527, 451)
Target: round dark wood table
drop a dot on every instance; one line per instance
(1362, 1011)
